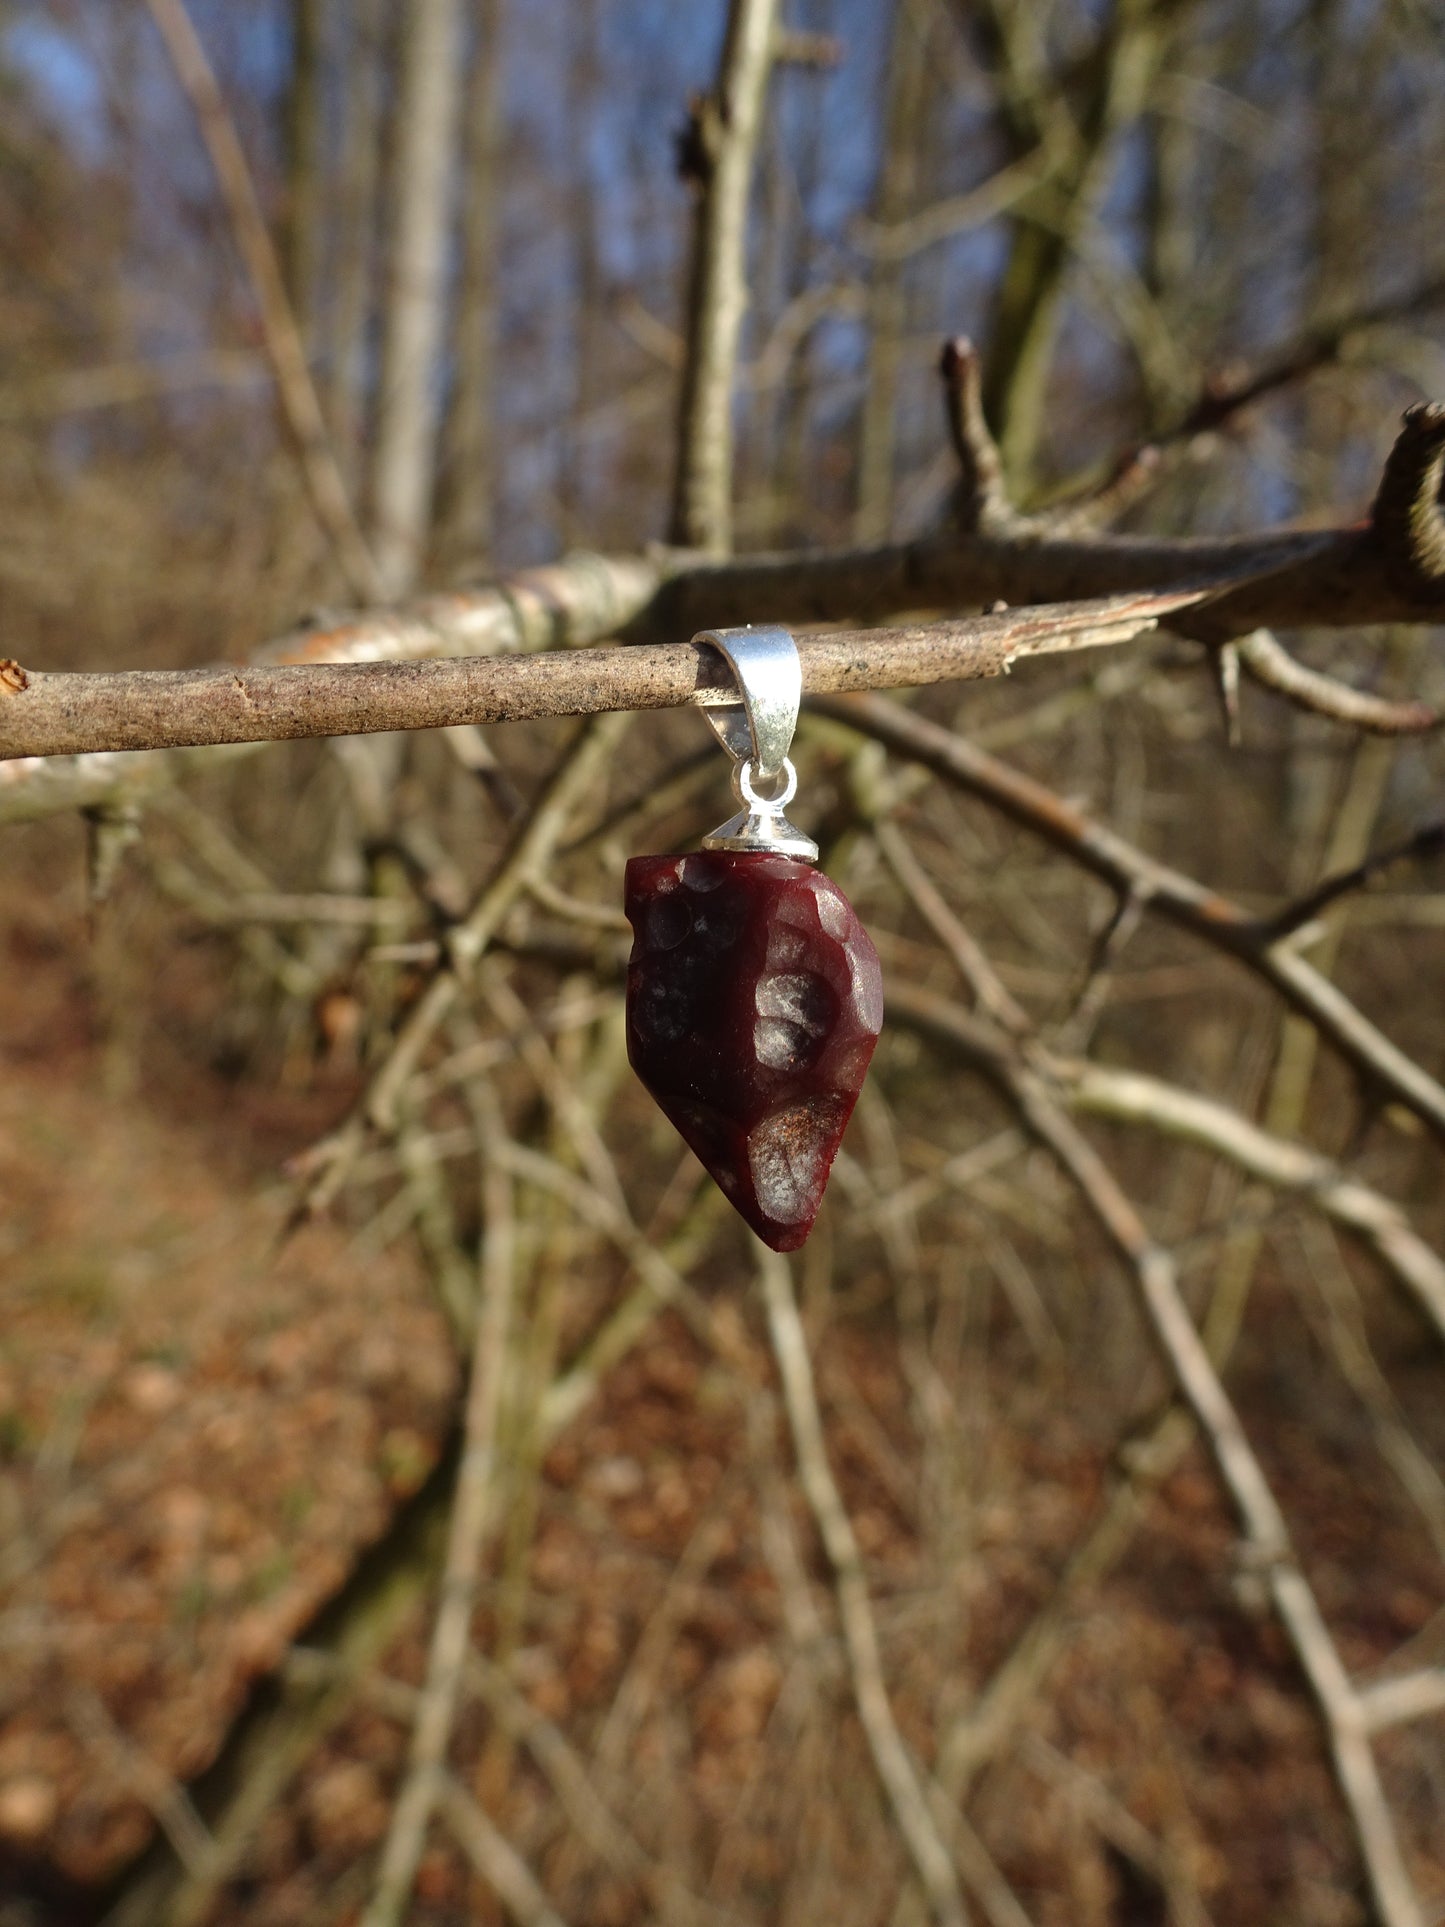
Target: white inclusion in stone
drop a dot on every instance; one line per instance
(793, 1013)
(785, 1158)
(786, 946)
(867, 996)
(832, 911)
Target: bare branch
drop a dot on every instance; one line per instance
(898, 240)
(1426, 842)
(717, 153)
(1414, 1696)
(1132, 476)
(300, 408)
(446, 1659)
(1134, 1098)
(64, 715)
(1273, 667)
(981, 501)
(496, 1859)
(1224, 668)
(414, 309)
(900, 1778)
(1226, 394)
(1336, 576)
(1198, 1383)
(1216, 920)
(466, 942)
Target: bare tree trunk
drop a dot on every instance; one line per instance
(304, 134)
(1026, 308)
(582, 84)
(296, 392)
(793, 509)
(721, 144)
(413, 318)
(470, 468)
(356, 227)
(888, 302)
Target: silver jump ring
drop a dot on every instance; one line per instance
(749, 797)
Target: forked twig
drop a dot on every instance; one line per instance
(1211, 917)
(495, 1858)
(1136, 1098)
(1267, 1536)
(423, 1784)
(917, 1815)
(531, 850)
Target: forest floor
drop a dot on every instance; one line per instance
(200, 1434)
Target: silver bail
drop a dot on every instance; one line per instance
(756, 729)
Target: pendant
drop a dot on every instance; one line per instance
(754, 995)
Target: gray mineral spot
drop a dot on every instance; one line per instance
(785, 1158)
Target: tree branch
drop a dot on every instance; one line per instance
(1214, 919)
(717, 152)
(451, 1633)
(902, 1784)
(300, 408)
(1273, 667)
(1287, 577)
(62, 715)
(1239, 1470)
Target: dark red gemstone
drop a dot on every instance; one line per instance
(754, 1000)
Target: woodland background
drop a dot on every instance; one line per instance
(989, 1643)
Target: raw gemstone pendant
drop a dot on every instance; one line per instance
(754, 996)
(754, 1001)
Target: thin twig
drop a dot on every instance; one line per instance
(592, 1818)
(917, 1816)
(1339, 1316)
(157, 1790)
(1273, 667)
(898, 240)
(1425, 842)
(1135, 1098)
(300, 406)
(466, 942)
(495, 1858)
(68, 714)
(1166, 892)
(436, 1709)
(1199, 1385)
(1413, 1696)
(717, 153)
(981, 500)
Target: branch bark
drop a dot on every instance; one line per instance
(409, 404)
(63, 715)
(1267, 1542)
(451, 1633)
(1389, 569)
(902, 1784)
(1216, 920)
(717, 151)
